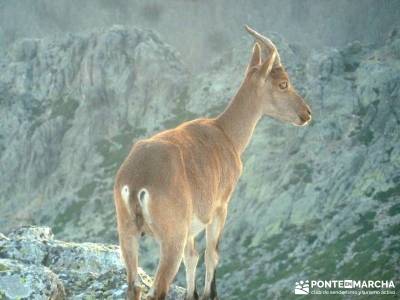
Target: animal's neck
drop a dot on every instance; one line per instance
(240, 118)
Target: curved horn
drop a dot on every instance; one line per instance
(266, 42)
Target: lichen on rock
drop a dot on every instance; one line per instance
(309, 199)
(33, 265)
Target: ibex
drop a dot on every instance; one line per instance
(179, 182)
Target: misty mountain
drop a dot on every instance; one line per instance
(314, 202)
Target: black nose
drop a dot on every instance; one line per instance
(305, 118)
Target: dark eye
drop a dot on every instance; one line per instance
(283, 85)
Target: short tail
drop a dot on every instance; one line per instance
(132, 205)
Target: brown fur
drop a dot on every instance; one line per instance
(190, 173)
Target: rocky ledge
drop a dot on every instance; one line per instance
(33, 265)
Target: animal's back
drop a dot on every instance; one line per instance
(196, 160)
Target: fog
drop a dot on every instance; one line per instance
(199, 30)
(316, 202)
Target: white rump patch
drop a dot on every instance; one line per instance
(144, 197)
(125, 195)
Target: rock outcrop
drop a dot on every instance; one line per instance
(33, 265)
(316, 202)
(70, 110)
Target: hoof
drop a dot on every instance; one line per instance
(133, 292)
(156, 297)
(209, 298)
(195, 296)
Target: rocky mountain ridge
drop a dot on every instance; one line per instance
(315, 202)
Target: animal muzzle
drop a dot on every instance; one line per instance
(305, 116)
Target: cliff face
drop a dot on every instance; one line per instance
(319, 202)
(70, 110)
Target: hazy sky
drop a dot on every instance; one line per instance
(199, 29)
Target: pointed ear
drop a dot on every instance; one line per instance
(267, 65)
(255, 57)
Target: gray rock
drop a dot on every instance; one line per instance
(22, 281)
(314, 202)
(52, 95)
(35, 266)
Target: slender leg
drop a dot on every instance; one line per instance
(129, 250)
(190, 260)
(213, 234)
(171, 252)
(129, 235)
